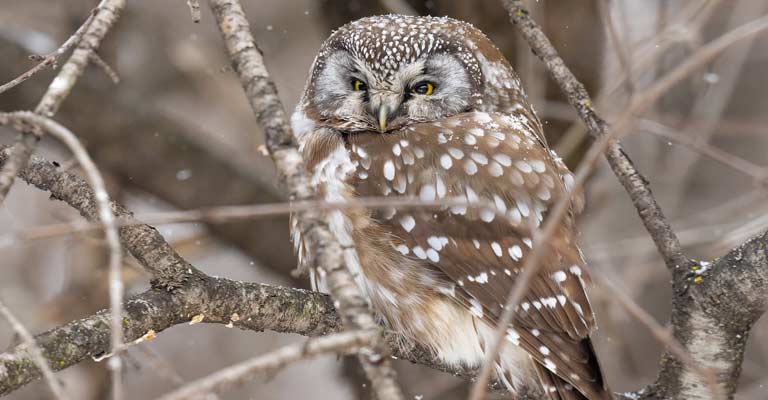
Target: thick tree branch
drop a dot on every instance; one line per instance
(168, 268)
(733, 289)
(36, 122)
(250, 306)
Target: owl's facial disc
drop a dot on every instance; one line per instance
(352, 95)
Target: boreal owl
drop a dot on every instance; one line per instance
(428, 108)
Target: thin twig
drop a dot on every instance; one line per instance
(660, 333)
(271, 362)
(105, 215)
(222, 214)
(51, 58)
(103, 18)
(322, 243)
(194, 9)
(109, 71)
(666, 241)
(758, 173)
(622, 53)
(35, 352)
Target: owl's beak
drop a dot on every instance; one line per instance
(383, 114)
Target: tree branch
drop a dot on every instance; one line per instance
(713, 331)
(321, 244)
(104, 17)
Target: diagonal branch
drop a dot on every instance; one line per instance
(650, 212)
(103, 18)
(273, 361)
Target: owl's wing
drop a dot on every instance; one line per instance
(493, 159)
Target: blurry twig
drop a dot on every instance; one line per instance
(105, 216)
(99, 62)
(398, 7)
(35, 352)
(51, 58)
(102, 19)
(231, 213)
(622, 52)
(271, 362)
(194, 9)
(660, 333)
(262, 95)
(758, 173)
(653, 218)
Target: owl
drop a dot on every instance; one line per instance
(428, 108)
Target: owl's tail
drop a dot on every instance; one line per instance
(558, 388)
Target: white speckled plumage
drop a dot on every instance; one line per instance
(440, 277)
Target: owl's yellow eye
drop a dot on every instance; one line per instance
(425, 88)
(358, 85)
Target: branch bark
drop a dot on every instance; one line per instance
(323, 248)
(105, 16)
(711, 329)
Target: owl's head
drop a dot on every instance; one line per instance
(386, 72)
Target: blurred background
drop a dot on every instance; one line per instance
(176, 133)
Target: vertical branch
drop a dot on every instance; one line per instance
(262, 95)
(104, 17)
